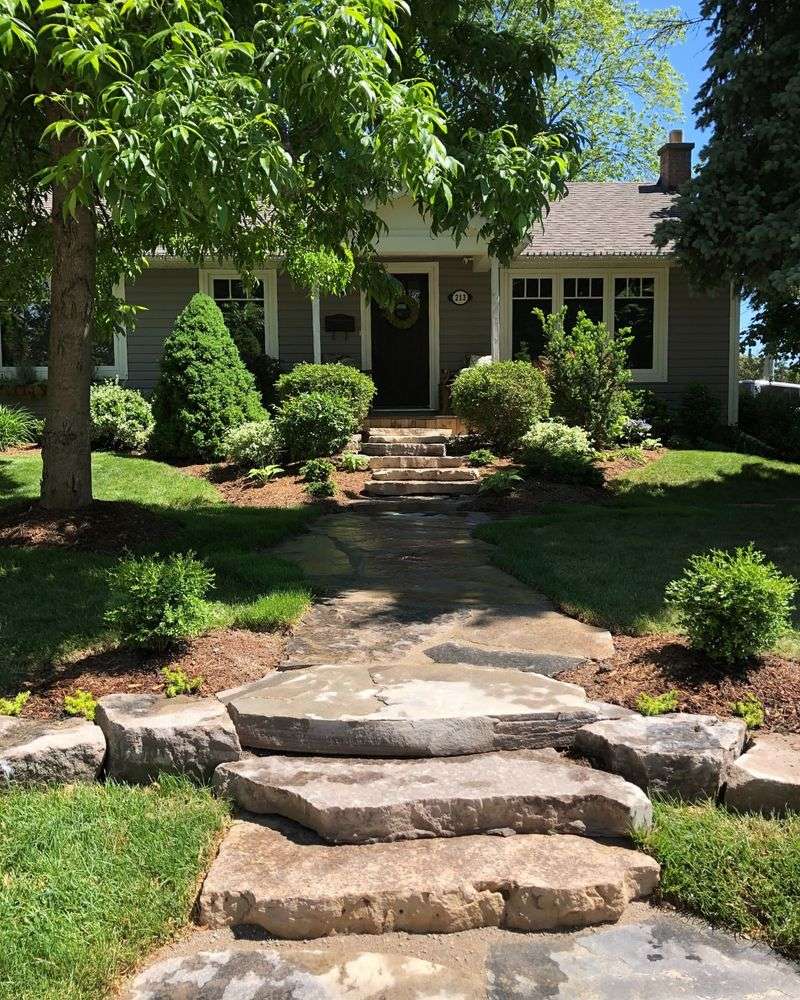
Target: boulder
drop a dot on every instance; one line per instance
(767, 778)
(54, 752)
(149, 734)
(355, 800)
(680, 755)
(274, 875)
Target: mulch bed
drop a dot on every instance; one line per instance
(658, 663)
(285, 491)
(105, 526)
(224, 659)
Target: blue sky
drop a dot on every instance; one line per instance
(689, 58)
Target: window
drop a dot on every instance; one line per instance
(250, 311)
(528, 294)
(24, 341)
(634, 307)
(583, 295)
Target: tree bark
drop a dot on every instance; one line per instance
(66, 451)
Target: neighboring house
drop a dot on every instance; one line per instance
(595, 252)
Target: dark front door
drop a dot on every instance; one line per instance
(400, 359)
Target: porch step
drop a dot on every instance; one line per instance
(276, 875)
(458, 475)
(401, 448)
(351, 800)
(418, 487)
(414, 462)
(408, 435)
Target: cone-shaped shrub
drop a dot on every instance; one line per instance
(204, 388)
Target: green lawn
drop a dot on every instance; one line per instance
(737, 871)
(94, 877)
(608, 563)
(53, 599)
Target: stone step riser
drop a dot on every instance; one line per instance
(414, 488)
(409, 437)
(414, 462)
(402, 448)
(460, 475)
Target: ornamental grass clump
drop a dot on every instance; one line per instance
(17, 426)
(734, 604)
(158, 602)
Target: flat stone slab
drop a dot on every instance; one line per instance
(402, 448)
(414, 462)
(148, 734)
(33, 752)
(418, 487)
(357, 801)
(766, 778)
(455, 475)
(267, 974)
(662, 958)
(277, 876)
(679, 755)
(427, 710)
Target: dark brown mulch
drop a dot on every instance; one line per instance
(285, 491)
(618, 467)
(105, 526)
(658, 663)
(224, 659)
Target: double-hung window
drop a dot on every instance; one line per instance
(250, 311)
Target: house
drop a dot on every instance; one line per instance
(594, 252)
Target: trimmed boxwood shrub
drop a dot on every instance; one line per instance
(732, 604)
(122, 419)
(554, 449)
(253, 444)
(315, 425)
(500, 400)
(336, 379)
(204, 388)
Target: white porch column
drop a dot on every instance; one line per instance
(495, 301)
(316, 328)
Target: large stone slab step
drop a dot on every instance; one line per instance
(409, 435)
(458, 475)
(277, 876)
(415, 462)
(410, 710)
(419, 487)
(767, 778)
(401, 448)
(360, 801)
(35, 752)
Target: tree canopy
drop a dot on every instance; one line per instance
(739, 216)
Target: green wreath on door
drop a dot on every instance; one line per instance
(408, 308)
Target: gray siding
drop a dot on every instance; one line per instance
(295, 337)
(463, 330)
(164, 292)
(698, 341)
(341, 346)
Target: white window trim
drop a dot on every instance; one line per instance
(118, 370)
(431, 268)
(559, 271)
(269, 277)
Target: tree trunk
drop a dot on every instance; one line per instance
(66, 452)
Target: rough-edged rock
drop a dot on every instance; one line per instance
(402, 448)
(355, 801)
(148, 734)
(60, 752)
(242, 973)
(278, 876)
(766, 778)
(425, 710)
(681, 755)
(413, 488)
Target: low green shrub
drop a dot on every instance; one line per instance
(320, 489)
(698, 416)
(555, 450)
(500, 483)
(657, 704)
(336, 379)
(732, 604)
(751, 709)
(350, 462)
(157, 602)
(500, 400)
(177, 682)
(587, 368)
(82, 703)
(317, 470)
(122, 419)
(13, 706)
(254, 444)
(315, 425)
(265, 474)
(481, 457)
(17, 426)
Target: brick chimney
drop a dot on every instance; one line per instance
(676, 161)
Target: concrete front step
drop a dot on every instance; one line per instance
(401, 448)
(417, 487)
(360, 801)
(462, 474)
(278, 876)
(409, 435)
(414, 462)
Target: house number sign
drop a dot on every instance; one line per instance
(460, 297)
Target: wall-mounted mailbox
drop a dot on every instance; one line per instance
(340, 323)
